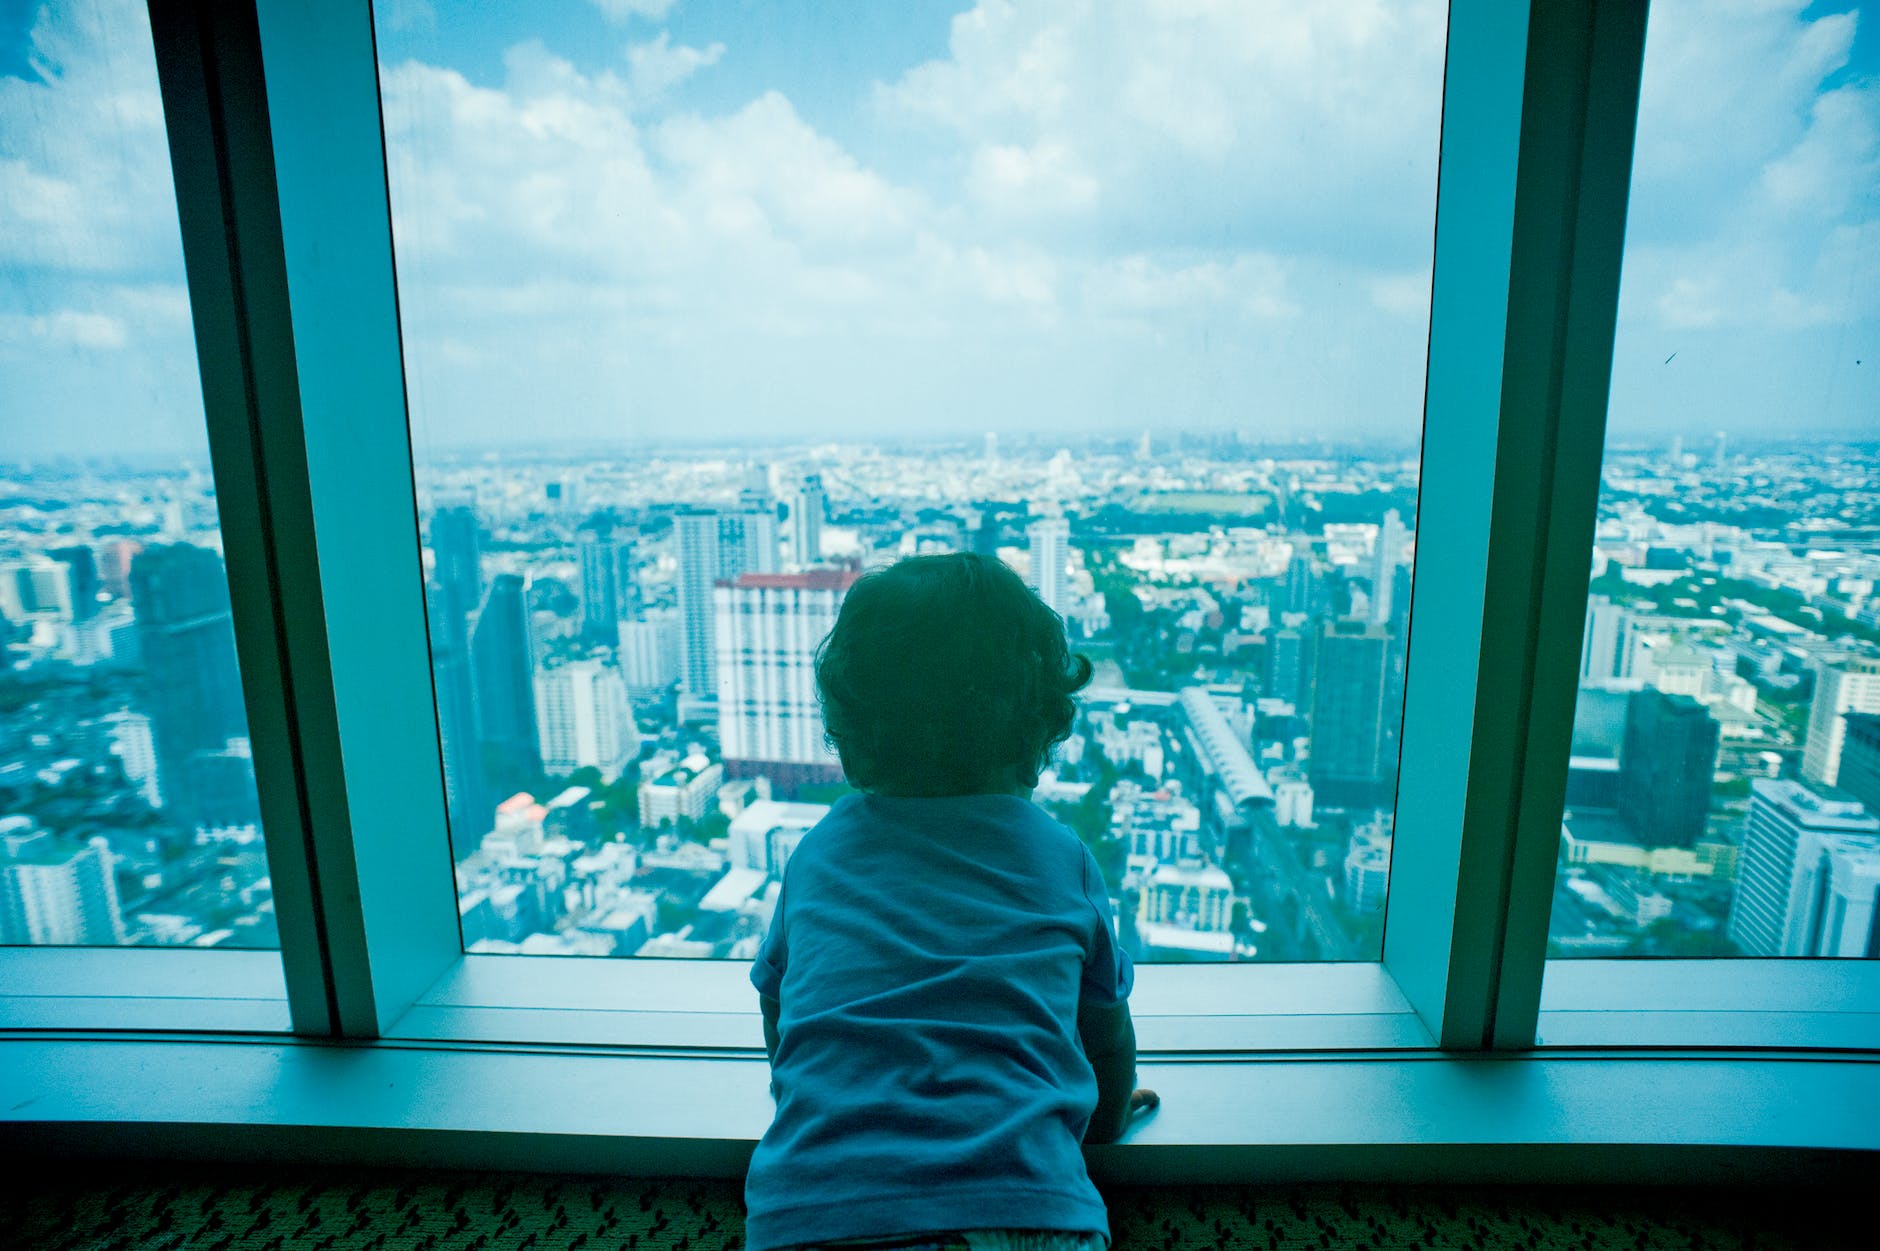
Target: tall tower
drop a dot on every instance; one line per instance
(81, 579)
(1780, 813)
(1599, 647)
(1384, 562)
(1049, 539)
(457, 566)
(465, 798)
(807, 507)
(600, 599)
(501, 663)
(585, 718)
(695, 537)
(1347, 762)
(768, 629)
(1667, 763)
(192, 681)
(1848, 684)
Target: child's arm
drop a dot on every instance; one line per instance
(1109, 1039)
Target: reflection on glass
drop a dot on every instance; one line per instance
(127, 791)
(705, 315)
(1725, 777)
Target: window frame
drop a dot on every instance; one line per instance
(277, 144)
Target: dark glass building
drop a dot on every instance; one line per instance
(502, 676)
(1666, 765)
(1347, 765)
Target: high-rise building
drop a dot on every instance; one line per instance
(36, 586)
(1832, 896)
(457, 567)
(501, 667)
(132, 742)
(626, 575)
(585, 718)
(1285, 661)
(1860, 759)
(1348, 764)
(81, 579)
(1843, 684)
(650, 651)
(807, 507)
(1301, 583)
(1599, 647)
(714, 547)
(55, 891)
(1780, 813)
(600, 600)
(1049, 539)
(464, 794)
(1385, 559)
(1667, 762)
(768, 628)
(766, 834)
(192, 682)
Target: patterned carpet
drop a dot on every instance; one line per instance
(102, 1207)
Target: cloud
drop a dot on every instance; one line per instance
(623, 11)
(66, 328)
(656, 67)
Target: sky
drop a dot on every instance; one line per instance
(619, 220)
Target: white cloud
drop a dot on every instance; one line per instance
(65, 328)
(628, 10)
(657, 66)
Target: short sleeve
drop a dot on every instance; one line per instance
(767, 968)
(1109, 974)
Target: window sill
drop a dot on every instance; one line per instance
(1178, 1009)
(1406, 1117)
(143, 988)
(1828, 1004)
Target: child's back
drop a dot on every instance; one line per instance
(944, 1002)
(930, 957)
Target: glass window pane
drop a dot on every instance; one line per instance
(710, 307)
(1724, 793)
(127, 792)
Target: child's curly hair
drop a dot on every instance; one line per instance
(942, 672)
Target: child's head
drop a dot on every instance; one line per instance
(945, 675)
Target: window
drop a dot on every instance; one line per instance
(704, 313)
(1725, 774)
(128, 805)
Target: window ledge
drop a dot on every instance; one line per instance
(1406, 1116)
(1831, 1004)
(143, 988)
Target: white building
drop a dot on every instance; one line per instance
(650, 651)
(584, 718)
(55, 892)
(1384, 561)
(1049, 539)
(681, 795)
(808, 506)
(1600, 649)
(768, 628)
(1292, 802)
(1190, 895)
(1832, 897)
(1781, 814)
(136, 750)
(1367, 869)
(1842, 685)
(765, 835)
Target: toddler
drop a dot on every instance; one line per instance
(945, 1006)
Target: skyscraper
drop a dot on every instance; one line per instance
(1384, 561)
(714, 547)
(1667, 762)
(600, 601)
(1842, 685)
(1833, 895)
(81, 579)
(1049, 539)
(55, 891)
(192, 682)
(1780, 813)
(1347, 763)
(464, 794)
(806, 521)
(456, 550)
(1301, 583)
(768, 628)
(501, 652)
(585, 718)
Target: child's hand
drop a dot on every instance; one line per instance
(1143, 1099)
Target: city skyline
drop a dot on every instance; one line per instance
(816, 242)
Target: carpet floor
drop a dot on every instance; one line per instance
(90, 1206)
